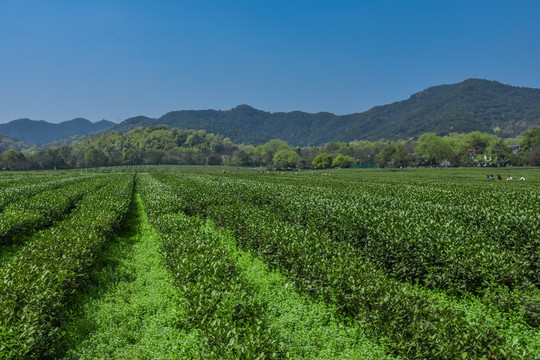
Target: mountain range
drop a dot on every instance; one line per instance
(41, 132)
(471, 105)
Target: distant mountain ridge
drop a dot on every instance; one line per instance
(472, 105)
(41, 132)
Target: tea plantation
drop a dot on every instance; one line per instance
(168, 262)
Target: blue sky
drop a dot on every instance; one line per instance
(116, 59)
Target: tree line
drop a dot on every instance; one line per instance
(160, 145)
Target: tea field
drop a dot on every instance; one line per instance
(166, 262)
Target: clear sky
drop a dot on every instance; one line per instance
(112, 59)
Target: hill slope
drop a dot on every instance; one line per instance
(40, 132)
(471, 105)
(7, 143)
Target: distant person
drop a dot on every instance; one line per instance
(499, 177)
(509, 178)
(488, 177)
(521, 178)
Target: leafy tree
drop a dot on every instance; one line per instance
(530, 146)
(401, 156)
(50, 159)
(154, 156)
(286, 158)
(365, 151)
(393, 155)
(337, 148)
(307, 154)
(534, 158)
(14, 160)
(322, 161)
(268, 150)
(246, 156)
(457, 150)
(432, 148)
(384, 157)
(214, 159)
(342, 161)
(478, 141)
(133, 157)
(502, 153)
(531, 139)
(95, 158)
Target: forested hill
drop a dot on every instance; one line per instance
(7, 143)
(472, 105)
(41, 132)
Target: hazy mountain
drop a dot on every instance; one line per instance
(40, 132)
(471, 105)
(7, 143)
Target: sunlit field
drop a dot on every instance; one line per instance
(180, 262)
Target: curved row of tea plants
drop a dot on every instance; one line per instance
(30, 214)
(218, 301)
(421, 323)
(36, 284)
(131, 306)
(403, 240)
(19, 178)
(305, 329)
(28, 187)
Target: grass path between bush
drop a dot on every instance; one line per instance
(130, 309)
(310, 330)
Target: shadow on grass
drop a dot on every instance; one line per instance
(105, 274)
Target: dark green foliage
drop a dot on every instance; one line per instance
(33, 213)
(157, 145)
(26, 186)
(322, 161)
(382, 252)
(36, 284)
(342, 161)
(218, 300)
(531, 146)
(14, 160)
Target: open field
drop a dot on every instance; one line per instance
(168, 262)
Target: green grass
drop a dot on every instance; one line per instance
(309, 330)
(131, 308)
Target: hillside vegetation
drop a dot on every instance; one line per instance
(7, 142)
(160, 145)
(472, 105)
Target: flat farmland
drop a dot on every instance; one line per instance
(178, 262)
